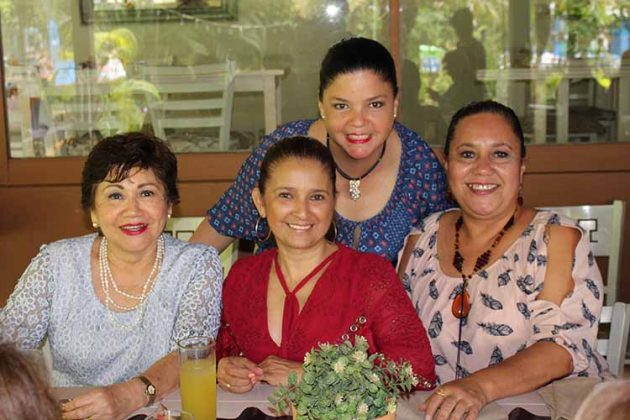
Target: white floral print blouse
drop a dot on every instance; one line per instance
(505, 316)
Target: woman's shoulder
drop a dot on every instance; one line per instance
(186, 257)
(363, 266)
(544, 219)
(408, 134)
(182, 248)
(412, 144)
(75, 246)
(249, 269)
(293, 128)
(430, 223)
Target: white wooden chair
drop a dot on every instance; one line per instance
(614, 347)
(79, 109)
(192, 97)
(604, 226)
(183, 227)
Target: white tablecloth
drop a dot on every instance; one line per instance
(231, 405)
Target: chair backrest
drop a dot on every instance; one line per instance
(614, 347)
(604, 226)
(183, 227)
(192, 97)
(82, 108)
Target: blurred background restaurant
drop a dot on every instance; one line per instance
(212, 76)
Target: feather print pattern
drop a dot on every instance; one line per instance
(506, 315)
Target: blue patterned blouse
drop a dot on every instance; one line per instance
(55, 298)
(419, 191)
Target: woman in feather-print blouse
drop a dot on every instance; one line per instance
(534, 301)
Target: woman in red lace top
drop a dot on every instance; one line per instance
(282, 302)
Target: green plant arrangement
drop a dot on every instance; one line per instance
(344, 382)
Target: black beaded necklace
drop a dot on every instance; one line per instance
(461, 304)
(355, 182)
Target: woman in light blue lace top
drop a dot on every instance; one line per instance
(114, 304)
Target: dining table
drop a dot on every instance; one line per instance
(234, 406)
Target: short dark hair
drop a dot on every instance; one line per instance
(299, 147)
(353, 54)
(113, 157)
(23, 388)
(482, 107)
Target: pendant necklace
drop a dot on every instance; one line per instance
(355, 182)
(461, 304)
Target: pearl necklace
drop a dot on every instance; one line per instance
(107, 278)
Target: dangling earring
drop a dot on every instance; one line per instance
(264, 238)
(332, 229)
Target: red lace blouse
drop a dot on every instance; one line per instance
(358, 294)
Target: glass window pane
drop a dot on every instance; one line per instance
(206, 75)
(557, 63)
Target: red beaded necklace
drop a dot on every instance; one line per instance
(461, 303)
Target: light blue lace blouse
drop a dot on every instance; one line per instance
(55, 298)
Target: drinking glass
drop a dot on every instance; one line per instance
(198, 377)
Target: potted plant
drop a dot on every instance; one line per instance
(345, 382)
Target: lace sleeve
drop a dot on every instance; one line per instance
(24, 320)
(199, 311)
(398, 332)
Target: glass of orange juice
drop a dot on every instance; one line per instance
(198, 377)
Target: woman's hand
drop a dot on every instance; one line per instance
(455, 400)
(106, 403)
(238, 374)
(276, 370)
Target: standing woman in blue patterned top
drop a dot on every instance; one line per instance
(389, 178)
(113, 304)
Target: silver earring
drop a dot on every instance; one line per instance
(264, 237)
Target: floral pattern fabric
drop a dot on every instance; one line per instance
(419, 191)
(505, 316)
(55, 299)
(357, 294)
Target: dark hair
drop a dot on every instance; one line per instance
(353, 54)
(482, 107)
(462, 19)
(113, 157)
(298, 147)
(23, 389)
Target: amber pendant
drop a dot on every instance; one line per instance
(461, 305)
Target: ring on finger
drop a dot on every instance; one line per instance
(441, 392)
